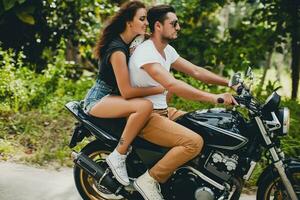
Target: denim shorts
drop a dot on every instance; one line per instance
(99, 90)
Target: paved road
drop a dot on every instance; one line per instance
(21, 182)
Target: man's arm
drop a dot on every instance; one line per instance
(198, 73)
(180, 88)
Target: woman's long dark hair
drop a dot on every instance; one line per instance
(116, 25)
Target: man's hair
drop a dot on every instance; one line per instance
(158, 13)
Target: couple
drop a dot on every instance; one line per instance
(122, 82)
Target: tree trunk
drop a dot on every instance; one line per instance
(263, 78)
(295, 49)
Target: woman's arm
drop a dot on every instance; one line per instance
(118, 61)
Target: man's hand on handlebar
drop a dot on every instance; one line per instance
(226, 99)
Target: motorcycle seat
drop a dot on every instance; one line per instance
(108, 129)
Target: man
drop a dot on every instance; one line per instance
(149, 66)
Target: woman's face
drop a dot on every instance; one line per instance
(139, 23)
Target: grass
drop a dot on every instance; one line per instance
(36, 137)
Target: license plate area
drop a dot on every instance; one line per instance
(79, 133)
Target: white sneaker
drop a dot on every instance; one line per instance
(148, 187)
(129, 150)
(117, 164)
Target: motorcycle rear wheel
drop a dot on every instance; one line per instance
(273, 189)
(86, 185)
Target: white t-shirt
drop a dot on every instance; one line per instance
(146, 53)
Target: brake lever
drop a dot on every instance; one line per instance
(240, 89)
(239, 100)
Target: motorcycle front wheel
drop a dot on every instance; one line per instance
(273, 189)
(86, 185)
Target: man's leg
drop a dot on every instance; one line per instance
(173, 113)
(184, 143)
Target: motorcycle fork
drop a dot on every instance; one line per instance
(277, 161)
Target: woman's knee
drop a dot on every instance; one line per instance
(144, 106)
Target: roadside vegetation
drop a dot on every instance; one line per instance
(50, 63)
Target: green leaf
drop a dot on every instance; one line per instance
(25, 17)
(8, 4)
(27, 9)
(21, 1)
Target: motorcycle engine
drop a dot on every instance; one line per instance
(185, 184)
(221, 165)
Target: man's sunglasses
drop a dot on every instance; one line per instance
(174, 23)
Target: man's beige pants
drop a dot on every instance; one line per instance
(184, 143)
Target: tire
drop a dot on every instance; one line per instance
(272, 187)
(85, 184)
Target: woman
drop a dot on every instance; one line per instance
(112, 95)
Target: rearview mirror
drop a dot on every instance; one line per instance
(249, 73)
(235, 79)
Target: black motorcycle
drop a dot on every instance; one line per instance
(233, 146)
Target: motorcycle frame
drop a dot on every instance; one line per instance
(84, 129)
(278, 163)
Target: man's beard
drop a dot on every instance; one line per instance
(167, 39)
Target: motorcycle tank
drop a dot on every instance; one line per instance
(218, 127)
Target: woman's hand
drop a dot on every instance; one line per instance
(160, 89)
(169, 96)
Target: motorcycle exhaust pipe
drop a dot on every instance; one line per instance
(99, 173)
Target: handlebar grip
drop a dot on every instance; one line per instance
(240, 90)
(220, 100)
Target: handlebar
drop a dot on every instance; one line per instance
(244, 98)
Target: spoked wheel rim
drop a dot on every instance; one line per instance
(91, 188)
(277, 191)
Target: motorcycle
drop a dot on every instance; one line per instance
(234, 144)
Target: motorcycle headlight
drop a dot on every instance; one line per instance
(272, 103)
(284, 118)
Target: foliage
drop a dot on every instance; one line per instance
(199, 29)
(283, 19)
(21, 89)
(23, 12)
(291, 143)
(55, 38)
(202, 42)
(250, 31)
(35, 26)
(33, 120)
(40, 137)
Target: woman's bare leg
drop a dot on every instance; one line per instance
(137, 110)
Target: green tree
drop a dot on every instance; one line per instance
(35, 26)
(202, 41)
(250, 37)
(283, 17)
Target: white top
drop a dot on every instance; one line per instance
(146, 53)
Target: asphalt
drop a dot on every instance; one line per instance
(22, 182)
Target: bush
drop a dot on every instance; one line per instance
(35, 122)
(34, 125)
(291, 143)
(21, 89)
